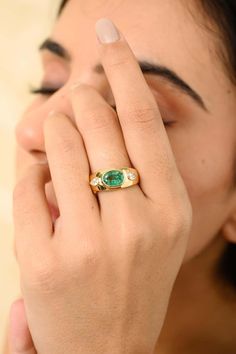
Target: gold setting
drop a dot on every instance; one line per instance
(97, 185)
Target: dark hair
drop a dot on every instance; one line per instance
(222, 15)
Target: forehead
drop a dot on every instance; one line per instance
(147, 21)
(163, 31)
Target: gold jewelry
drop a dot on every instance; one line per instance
(113, 178)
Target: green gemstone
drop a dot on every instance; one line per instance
(114, 178)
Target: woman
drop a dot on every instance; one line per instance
(149, 268)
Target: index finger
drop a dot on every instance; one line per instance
(143, 129)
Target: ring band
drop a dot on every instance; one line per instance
(110, 179)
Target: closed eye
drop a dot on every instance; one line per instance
(46, 91)
(49, 91)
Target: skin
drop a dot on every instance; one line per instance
(202, 142)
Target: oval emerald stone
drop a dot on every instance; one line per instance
(113, 178)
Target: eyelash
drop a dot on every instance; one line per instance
(48, 91)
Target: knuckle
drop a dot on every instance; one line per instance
(116, 55)
(65, 139)
(185, 220)
(139, 245)
(44, 278)
(178, 227)
(137, 236)
(51, 121)
(99, 119)
(143, 115)
(84, 261)
(174, 225)
(90, 255)
(181, 212)
(67, 145)
(118, 61)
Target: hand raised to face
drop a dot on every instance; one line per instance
(108, 267)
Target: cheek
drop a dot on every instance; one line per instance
(205, 163)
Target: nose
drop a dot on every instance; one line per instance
(28, 134)
(29, 130)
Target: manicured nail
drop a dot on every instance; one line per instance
(106, 31)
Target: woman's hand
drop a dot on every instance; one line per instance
(100, 282)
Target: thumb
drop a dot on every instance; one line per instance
(20, 340)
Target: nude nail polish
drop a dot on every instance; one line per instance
(106, 31)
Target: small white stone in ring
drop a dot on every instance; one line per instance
(131, 176)
(95, 181)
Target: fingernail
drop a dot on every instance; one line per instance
(106, 31)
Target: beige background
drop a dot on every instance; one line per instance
(23, 25)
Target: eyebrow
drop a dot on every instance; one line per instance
(146, 67)
(55, 48)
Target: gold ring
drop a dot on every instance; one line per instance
(113, 178)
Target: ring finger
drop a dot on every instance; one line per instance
(103, 138)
